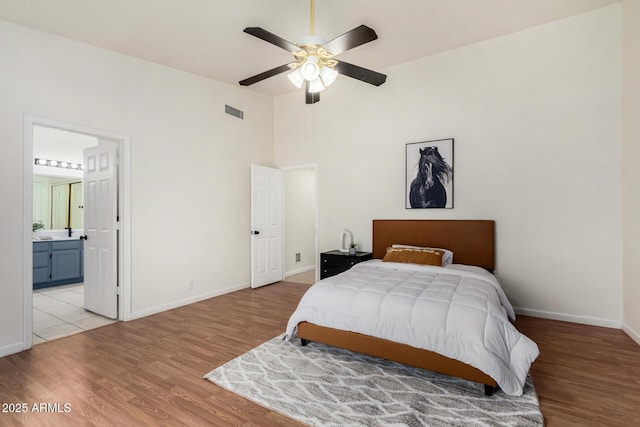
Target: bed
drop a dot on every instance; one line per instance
(472, 243)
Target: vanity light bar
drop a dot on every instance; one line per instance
(58, 164)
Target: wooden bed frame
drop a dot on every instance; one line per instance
(472, 243)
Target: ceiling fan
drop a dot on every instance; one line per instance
(314, 63)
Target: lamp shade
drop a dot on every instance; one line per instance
(316, 86)
(328, 75)
(296, 78)
(310, 70)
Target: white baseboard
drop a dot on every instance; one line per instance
(594, 321)
(190, 300)
(299, 270)
(633, 334)
(11, 349)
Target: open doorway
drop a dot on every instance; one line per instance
(54, 203)
(59, 306)
(301, 255)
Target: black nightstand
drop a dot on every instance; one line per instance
(335, 262)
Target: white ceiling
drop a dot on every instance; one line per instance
(205, 37)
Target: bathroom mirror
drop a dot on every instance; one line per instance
(58, 202)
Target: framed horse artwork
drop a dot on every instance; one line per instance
(429, 174)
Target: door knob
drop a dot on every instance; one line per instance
(254, 232)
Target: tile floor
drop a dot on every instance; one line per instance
(59, 311)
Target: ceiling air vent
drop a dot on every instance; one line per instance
(234, 112)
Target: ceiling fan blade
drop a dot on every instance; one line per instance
(356, 37)
(270, 73)
(359, 73)
(311, 98)
(271, 38)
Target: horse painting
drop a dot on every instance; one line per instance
(434, 173)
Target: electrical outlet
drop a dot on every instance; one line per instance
(191, 285)
(298, 257)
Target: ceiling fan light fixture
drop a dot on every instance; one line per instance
(310, 69)
(296, 78)
(314, 66)
(328, 75)
(316, 86)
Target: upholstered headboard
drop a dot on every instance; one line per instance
(471, 241)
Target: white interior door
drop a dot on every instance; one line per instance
(100, 229)
(267, 231)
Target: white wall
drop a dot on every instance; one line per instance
(630, 162)
(536, 121)
(300, 220)
(189, 164)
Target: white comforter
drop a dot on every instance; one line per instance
(459, 311)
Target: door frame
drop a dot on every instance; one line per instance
(124, 201)
(314, 167)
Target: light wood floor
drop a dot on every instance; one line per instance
(306, 278)
(149, 371)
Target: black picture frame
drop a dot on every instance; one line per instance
(429, 174)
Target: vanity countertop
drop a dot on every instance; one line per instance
(53, 239)
(56, 235)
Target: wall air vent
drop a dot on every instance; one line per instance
(234, 112)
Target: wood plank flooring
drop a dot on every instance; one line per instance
(585, 375)
(149, 371)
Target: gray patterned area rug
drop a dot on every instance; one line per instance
(320, 385)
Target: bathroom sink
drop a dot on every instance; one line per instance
(47, 235)
(50, 238)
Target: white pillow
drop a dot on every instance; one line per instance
(447, 258)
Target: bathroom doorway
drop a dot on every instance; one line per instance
(55, 206)
(301, 212)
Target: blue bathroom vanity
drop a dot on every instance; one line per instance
(57, 262)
